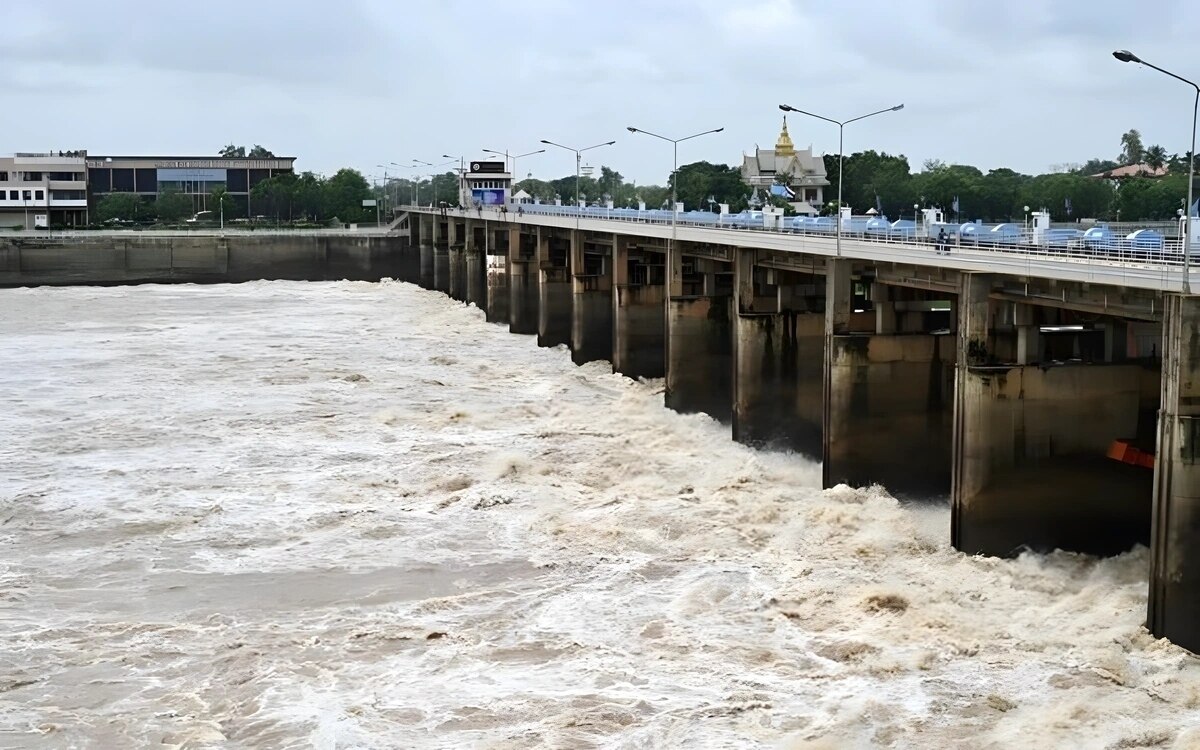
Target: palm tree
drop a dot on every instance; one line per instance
(1155, 157)
(1131, 147)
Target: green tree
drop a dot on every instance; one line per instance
(172, 205)
(277, 196)
(344, 194)
(869, 174)
(1097, 166)
(999, 196)
(444, 188)
(700, 180)
(1155, 157)
(1089, 197)
(259, 152)
(233, 152)
(120, 207)
(1131, 147)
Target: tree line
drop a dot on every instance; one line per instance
(887, 183)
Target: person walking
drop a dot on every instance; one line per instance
(942, 247)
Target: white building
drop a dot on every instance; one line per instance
(484, 183)
(798, 175)
(43, 190)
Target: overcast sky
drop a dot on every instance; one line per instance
(1020, 83)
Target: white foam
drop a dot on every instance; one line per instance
(355, 515)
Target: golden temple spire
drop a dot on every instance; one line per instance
(784, 146)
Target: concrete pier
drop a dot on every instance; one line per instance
(496, 261)
(592, 303)
(888, 391)
(639, 318)
(476, 268)
(1174, 610)
(555, 289)
(1031, 434)
(523, 282)
(700, 356)
(425, 266)
(458, 273)
(779, 340)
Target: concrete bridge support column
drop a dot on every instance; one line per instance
(476, 270)
(441, 257)
(639, 323)
(1031, 440)
(700, 353)
(591, 306)
(779, 359)
(458, 261)
(554, 290)
(409, 266)
(426, 253)
(1174, 607)
(496, 259)
(523, 281)
(888, 395)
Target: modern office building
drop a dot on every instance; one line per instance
(799, 176)
(40, 190)
(193, 176)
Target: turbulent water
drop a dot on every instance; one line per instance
(355, 515)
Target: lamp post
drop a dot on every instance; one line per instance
(417, 182)
(1026, 218)
(514, 158)
(578, 157)
(916, 215)
(1125, 55)
(674, 185)
(841, 127)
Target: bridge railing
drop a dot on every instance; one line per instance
(1155, 253)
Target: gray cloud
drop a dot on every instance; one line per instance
(362, 82)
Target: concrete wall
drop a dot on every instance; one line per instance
(778, 381)
(497, 286)
(476, 277)
(890, 409)
(554, 306)
(457, 288)
(1035, 471)
(700, 356)
(523, 296)
(639, 331)
(1174, 607)
(591, 322)
(108, 260)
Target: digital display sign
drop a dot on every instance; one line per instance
(488, 197)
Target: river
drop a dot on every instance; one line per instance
(353, 515)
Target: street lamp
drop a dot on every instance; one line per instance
(674, 185)
(1125, 55)
(578, 156)
(514, 158)
(841, 126)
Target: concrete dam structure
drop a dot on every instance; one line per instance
(100, 259)
(1015, 386)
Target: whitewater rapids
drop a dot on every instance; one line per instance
(352, 515)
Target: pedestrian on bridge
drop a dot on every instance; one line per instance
(943, 247)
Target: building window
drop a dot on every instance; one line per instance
(26, 195)
(38, 195)
(12, 195)
(3, 176)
